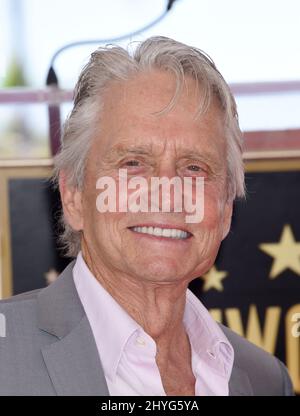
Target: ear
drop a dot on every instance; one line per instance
(71, 199)
(227, 216)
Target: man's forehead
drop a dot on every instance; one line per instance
(152, 91)
(128, 147)
(149, 148)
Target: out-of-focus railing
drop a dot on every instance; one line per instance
(50, 96)
(56, 95)
(254, 88)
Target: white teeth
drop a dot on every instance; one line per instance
(162, 232)
(166, 232)
(157, 231)
(174, 233)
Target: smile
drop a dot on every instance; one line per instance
(162, 232)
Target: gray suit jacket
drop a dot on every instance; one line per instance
(49, 349)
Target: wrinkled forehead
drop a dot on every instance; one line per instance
(157, 92)
(135, 113)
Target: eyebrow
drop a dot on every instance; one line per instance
(121, 150)
(198, 155)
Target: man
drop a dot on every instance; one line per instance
(120, 320)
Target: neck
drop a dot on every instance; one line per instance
(158, 307)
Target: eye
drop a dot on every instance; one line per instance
(194, 168)
(132, 162)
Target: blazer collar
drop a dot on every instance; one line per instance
(72, 361)
(239, 383)
(59, 307)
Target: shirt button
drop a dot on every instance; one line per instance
(140, 341)
(212, 354)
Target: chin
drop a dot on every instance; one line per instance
(160, 271)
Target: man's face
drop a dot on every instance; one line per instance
(131, 136)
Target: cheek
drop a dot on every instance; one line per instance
(212, 219)
(96, 224)
(104, 227)
(209, 232)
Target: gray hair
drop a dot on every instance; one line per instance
(113, 63)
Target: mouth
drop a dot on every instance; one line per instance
(165, 232)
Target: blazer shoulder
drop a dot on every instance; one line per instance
(19, 312)
(22, 303)
(30, 295)
(266, 373)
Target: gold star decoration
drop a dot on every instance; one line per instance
(51, 276)
(286, 253)
(213, 279)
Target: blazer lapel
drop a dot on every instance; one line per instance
(239, 383)
(73, 364)
(72, 360)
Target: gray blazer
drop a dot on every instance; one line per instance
(49, 349)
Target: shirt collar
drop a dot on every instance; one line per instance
(206, 337)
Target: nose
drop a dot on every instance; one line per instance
(166, 188)
(166, 168)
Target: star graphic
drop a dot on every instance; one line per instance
(51, 276)
(213, 279)
(286, 253)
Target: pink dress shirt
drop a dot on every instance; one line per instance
(127, 352)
